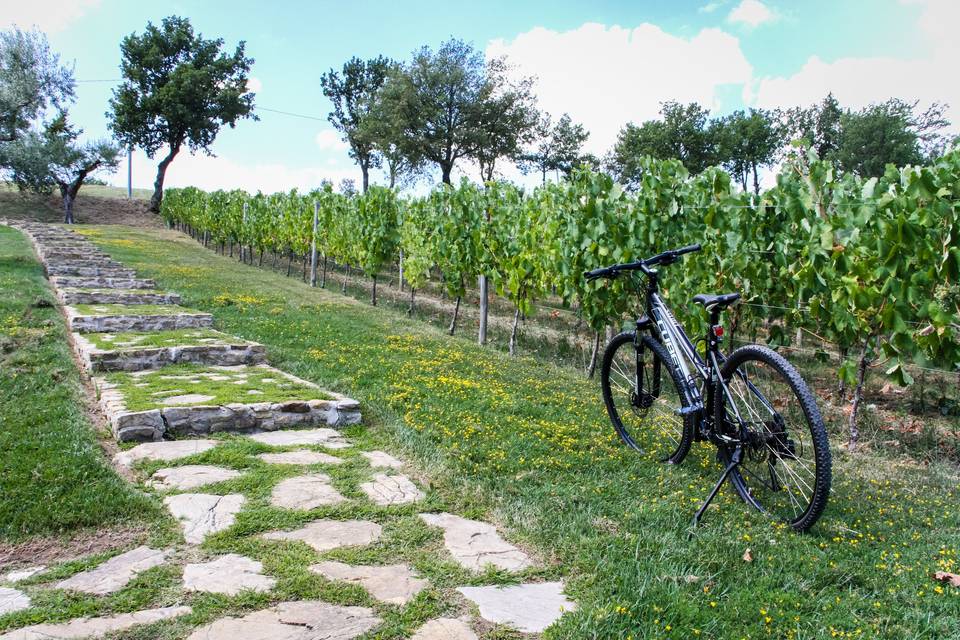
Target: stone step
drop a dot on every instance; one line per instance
(100, 282)
(191, 400)
(90, 271)
(116, 296)
(112, 318)
(71, 254)
(138, 351)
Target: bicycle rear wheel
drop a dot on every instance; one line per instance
(786, 467)
(643, 394)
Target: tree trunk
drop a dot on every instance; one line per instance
(303, 274)
(592, 366)
(453, 321)
(260, 263)
(513, 333)
(365, 170)
(157, 196)
(410, 308)
(373, 297)
(289, 261)
(343, 283)
(482, 333)
(274, 260)
(401, 270)
(67, 207)
(756, 180)
(858, 396)
(842, 385)
(323, 276)
(446, 169)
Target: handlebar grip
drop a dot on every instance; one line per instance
(596, 273)
(687, 249)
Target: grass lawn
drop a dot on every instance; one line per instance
(53, 476)
(527, 444)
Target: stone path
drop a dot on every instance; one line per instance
(476, 544)
(394, 584)
(387, 490)
(115, 573)
(229, 575)
(83, 275)
(304, 620)
(201, 514)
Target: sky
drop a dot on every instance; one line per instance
(605, 63)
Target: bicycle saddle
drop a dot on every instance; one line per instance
(716, 302)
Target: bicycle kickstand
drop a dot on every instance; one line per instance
(735, 461)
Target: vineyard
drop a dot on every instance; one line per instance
(867, 267)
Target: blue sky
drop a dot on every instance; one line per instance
(605, 62)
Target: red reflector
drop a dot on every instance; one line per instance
(718, 331)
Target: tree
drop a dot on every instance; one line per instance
(506, 120)
(383, 127)
(558, 148)
(820, 125)
(682, 133)
(178, 89)
(31, 79)
(352, 93)
(889, 133)
(747, 142)
(450, 104)
(38, 162)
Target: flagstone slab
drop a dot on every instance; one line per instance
(393, 584)
(382, 459)
(529, 608)
(476, 544)
(94, 627)
(390, 490)
(303, 620)
(305, 493)
(329, 438)
(300, 457)
(198, 346)
(13, 600)
(201, 514)
(23, 574)
(115, 573)
(445, 629)
(190, 476)
(324, 535)
(166, 451)
(229, 575)
(98, 282)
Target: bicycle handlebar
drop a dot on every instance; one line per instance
(665, 258)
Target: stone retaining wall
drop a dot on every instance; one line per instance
(116, 296)
(79, 323)
(138, 359)
(99, 282)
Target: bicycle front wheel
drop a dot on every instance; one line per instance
(644, 394)
(785, 469)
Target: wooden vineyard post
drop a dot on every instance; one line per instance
(313, 244)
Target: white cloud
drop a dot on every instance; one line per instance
(710, 7)
(751, 13)
(330, 140)
(254, 84)
(47, 15)
(859, 81)
(605, 76)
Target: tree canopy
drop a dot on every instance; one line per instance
(31, 80)
(178, 89)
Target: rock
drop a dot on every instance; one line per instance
(303, 620)
(229, 575)
(202, 514)
(12, 600)
(324, 535)
(189, 398)
(165, 451)
(476, 544)
(387, 490)
(23, 574)
(393, 584)
(115, 573)
(190, 476)
(305, 492)
(529, 608)
(94, 627)
(445, 629)
(329, 438)
(381, 459)
(301, 457)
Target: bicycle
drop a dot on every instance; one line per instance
(752, 404)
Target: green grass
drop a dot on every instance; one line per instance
(147, 390)
(528, 445)
(146, 340)
(53, 476)
(130, 309)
